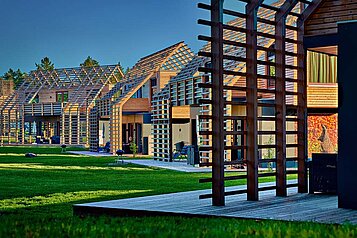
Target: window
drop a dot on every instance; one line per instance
(138, 94)
(61, 96)
(153, 82)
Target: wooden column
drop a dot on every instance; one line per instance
(217, 104)
(302, 114)
(302, 95)
(280, 96)
(63, 127)
(170, 129)
(87, 126)
(252, 104)
(78, 125)
(17, 126)
(70, 128)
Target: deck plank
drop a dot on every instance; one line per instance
(295, 207)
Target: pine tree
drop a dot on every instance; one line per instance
(16, 76)
(45, 65)
(89, 62)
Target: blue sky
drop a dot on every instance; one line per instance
(67, 31)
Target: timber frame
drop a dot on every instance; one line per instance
(169, 60)
(175, 101)
(83, 86)
(283, 25)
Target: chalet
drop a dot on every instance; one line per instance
(123, 115)
(54, 106)
(176, 107)
(179, 112)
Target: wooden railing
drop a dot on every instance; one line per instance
(43, 109)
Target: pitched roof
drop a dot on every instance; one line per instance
(172, 58)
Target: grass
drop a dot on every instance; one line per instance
(37, 194)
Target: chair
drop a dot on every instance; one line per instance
(106, 148)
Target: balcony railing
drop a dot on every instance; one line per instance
(44, 109)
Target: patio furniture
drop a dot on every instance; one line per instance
(120, 155)
(30, 155)
(63, 148)
(323, 173)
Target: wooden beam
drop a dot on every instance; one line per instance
(217, 96)
(307, 12)
(252, 104)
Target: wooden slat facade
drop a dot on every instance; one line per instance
(324, 20)
(159, 68)
(322, 95)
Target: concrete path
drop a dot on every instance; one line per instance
(89, 153)
(177, 166)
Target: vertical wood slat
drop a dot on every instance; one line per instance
(280, 108)
(22, 125)
(170, 130)
(302, 111)
(252, 104)
(218, 104)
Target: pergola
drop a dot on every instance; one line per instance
(286, 19)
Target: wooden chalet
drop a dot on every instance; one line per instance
(298, 40)
(54, 106)
(123, 115)
(177, 106)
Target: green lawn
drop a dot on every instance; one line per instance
(37, 194)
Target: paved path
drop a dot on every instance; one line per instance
(295, 207)
(89, 153)
(177, 166)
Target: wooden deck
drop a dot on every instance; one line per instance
(295, 207)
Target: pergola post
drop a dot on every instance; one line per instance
(218, 104)
(302, 113)
(252, 103)
(280, 96)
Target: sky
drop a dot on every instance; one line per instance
(110, 31)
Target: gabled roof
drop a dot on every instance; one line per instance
(172, 58)
(86, 78)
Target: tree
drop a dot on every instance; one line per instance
(10, 75)
(89, 62)
(16, 76)
(118, 75)
(45, 65)
(133, 148)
